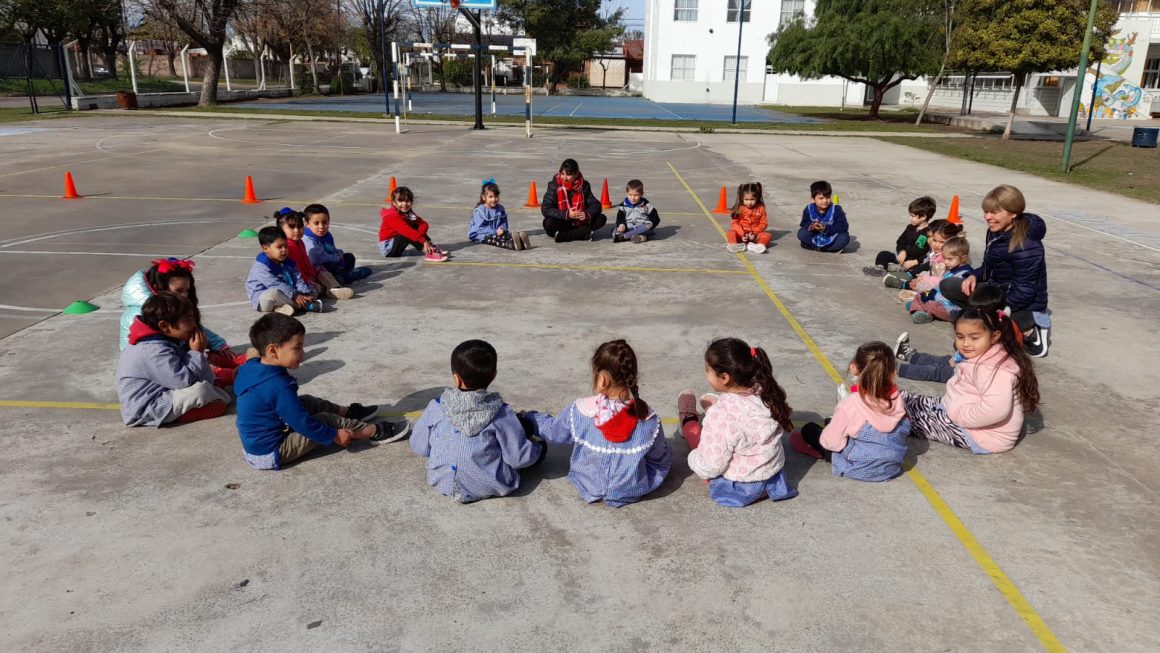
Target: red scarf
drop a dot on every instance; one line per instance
(570, 199)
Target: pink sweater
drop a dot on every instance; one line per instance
(981, 398)
(739, 440)
(852, 413)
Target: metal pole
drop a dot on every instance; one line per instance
(132, 45)
(1095, 85)
(493, 84)
(185, 68)
(528, 111)
(62, 61)
(291, 45)
(383, 67)
(1065, 164)
(478, 68)
(737, 64)
(226, 67)
(395, 83)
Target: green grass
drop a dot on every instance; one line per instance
(24, 113)
(706, 126)
(890, 116)
(1103, 165)
(44, 87)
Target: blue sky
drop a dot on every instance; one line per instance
(634, 17)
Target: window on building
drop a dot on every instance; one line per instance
(683, 67)
(685, 11)
(791, 9)
(731, 68)
(1151, 77)
(731, 12)
(1137, 6)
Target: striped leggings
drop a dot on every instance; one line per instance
(929, 421)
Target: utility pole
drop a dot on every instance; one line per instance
(474, 19)
(737, 63)
(1065, 165)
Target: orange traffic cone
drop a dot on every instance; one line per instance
(391, 191)
(605, 201)
(953, 216)
(70, 189)
(533, 197)
(250, 197)
(722, 202)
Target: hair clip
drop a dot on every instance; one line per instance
(167, 265)
(753, 352)
(488, 181)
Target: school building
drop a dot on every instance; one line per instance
(690, 55)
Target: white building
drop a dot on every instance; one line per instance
(691, 48)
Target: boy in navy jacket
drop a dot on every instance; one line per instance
(823, 227)
(274, 282)
(275, 424)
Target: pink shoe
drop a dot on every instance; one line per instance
(798, 444)
(707, 400)
(436, 256)
(686, 405)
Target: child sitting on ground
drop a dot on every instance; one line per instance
(473, 442)
(400, 226)
(322, 251)
(823, 227)
(738, 449)
(636, 218)
(293, 224)
(489, 222)
(932, 305)
(866, 438)
(929, 273)
(619, 451)
(163, 375)
(917, 366)
(991, 389)
(748, 221)
(911, 247)
(570, 210)
(276, 425)
(274, 282)
(176, 276)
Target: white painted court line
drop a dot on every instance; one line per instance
(578, 105)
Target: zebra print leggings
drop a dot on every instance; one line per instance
(929, 421)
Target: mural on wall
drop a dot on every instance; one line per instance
(1115, 96)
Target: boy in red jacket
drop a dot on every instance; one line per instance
(401, 227)
(292, 224)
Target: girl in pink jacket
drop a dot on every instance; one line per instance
(991, 389)
(866, 438)
(738, 449)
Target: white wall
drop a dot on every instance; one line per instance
(710, 39)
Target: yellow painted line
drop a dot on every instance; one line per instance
(1001, 581)
(73, 405)
(598, 268)
(284, 202)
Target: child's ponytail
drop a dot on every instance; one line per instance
(617, 359)
(749, 367)
(1026, 384)
(876, 368)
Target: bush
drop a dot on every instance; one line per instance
(458, 72)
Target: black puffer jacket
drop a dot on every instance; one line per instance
(1021, 274)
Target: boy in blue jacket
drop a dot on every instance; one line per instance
(823, 227)
(322, 251)
(276, 425)
(473, 442)
(274, 282)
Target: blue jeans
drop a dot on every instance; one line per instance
(646, 230)
(838, 244)
(733, 494)
(927, 367)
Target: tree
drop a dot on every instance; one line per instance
(1022, 37)
(172, 39)
(567, 32)
(377, 16)
(948, 33)
(879, 43)
(434, 25)
(205, 23)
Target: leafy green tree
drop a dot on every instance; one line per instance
(879, 43)
(1022, 37)
(205, 23)
(567, 32)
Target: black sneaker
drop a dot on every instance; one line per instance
(894, 281)
(618, 237)
(902, 349)
(361, 412)
(391, 431)
(1035, 342)
(874, 271)
(561, 237)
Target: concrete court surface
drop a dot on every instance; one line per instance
(574, 106)
(129, 539)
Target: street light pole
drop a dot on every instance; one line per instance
(737, 63)
(1065, 165)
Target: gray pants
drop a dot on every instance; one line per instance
(295, 445)
(195, 396)
(271, 299)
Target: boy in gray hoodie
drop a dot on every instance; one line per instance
(474, 443)
(163, 375)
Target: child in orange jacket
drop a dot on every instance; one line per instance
(749, 221)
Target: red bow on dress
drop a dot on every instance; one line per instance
(167, 265)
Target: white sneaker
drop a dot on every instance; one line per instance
(340, 293)
(735, 247)
(757, 248)
(285, 309)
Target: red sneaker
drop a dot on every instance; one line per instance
(209, 411)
